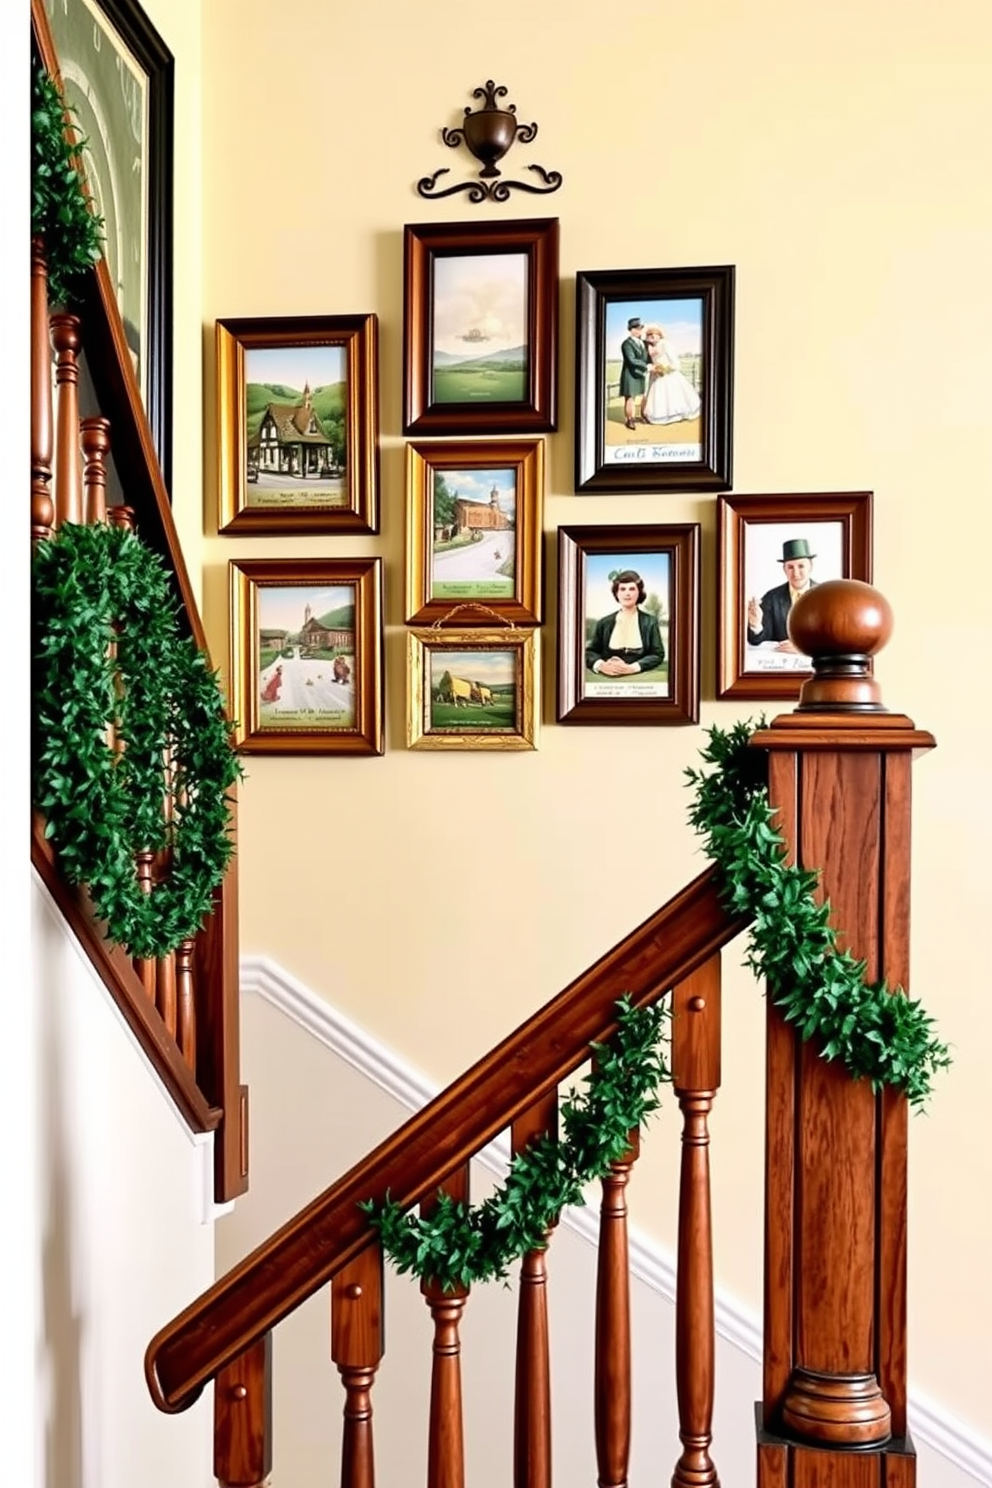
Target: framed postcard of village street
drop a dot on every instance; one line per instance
(298, 423)
(472, 689)
(654, 380)
(474, 523)
(306, 656)
(480, 327)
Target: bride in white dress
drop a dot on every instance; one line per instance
(671, 397)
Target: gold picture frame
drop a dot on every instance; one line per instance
(298, 423)
(306, 655)
(474, 514)
(472, 688)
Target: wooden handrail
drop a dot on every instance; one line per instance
(307, 1251)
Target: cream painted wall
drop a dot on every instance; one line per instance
(839, 156)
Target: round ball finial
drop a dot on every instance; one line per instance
(840, 624)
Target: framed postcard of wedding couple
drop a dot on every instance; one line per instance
(771, 550)
(472, 689)
(298, 423)
(480, 327)
(306, 655)
(628, 632)
(474, 526)
(654, 379)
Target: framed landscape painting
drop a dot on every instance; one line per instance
(474, 526)
(472, 689)
(771, 549)
(654, 379)
(480, 327)
(628, 648)
(306, 655)
(298, 424)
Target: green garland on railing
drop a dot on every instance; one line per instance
(879, 1036)
(107, 650)
(458, 1244)
(60, 211)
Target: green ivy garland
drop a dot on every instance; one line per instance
(885, 1038)
(60, 211)
(107, 650)
(457, 1244)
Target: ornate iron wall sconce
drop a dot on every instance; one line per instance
(489, 132)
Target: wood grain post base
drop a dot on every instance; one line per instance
(836, 1409)
(783, 1463)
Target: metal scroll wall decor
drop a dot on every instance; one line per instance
(489, 132)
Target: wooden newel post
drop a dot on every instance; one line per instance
(835, 1200)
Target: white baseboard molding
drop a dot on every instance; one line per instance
(649, 1263)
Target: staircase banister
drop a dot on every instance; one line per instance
(310, 1248)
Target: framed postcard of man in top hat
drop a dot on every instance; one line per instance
(772, 551)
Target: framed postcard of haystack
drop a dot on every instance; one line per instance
(472, 689)
(654, 379)
(628, 632)
(298, 424)
(306, 655)
(480, 327)
(474, 525)
(771, 550)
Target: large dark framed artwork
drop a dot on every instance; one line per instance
(771, 549)
(628, 631)
(480, 327)
(298, 424)
(654, 379)
(117, 74)
(306, 655)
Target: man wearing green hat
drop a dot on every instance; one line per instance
(634, 371)
(768, 618)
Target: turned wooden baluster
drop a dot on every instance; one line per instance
(185, 1004)
(42, 505)
(445, 1447)
(696, 1072)
(532, 1398)
(121, 516)
(357, 1348)
(94, 437)
(243, 1418)
(66, 340)
(612, 1345)
(145, 966)
(165, 979)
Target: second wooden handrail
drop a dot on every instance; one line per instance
(307, 1251)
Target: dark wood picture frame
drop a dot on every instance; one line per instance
(532, 245)
(515, 468)
(836, 526)
(137, 205)
(284, 654)
(256, 495)
(612, 456)
(589, 558)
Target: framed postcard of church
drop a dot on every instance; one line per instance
(473, 689)
(480, 337)
(298, 422)
(306, 655)
(771, 550)
(628, 629)
(474, 528)
(654, 380)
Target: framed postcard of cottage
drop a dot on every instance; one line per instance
(771, 550)
(472, 689)
(306, 655)
(654, 379)
(298, 424)
(480, 327)
(628, 633)
(474, 526)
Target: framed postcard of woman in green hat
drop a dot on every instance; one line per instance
(772, 551)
